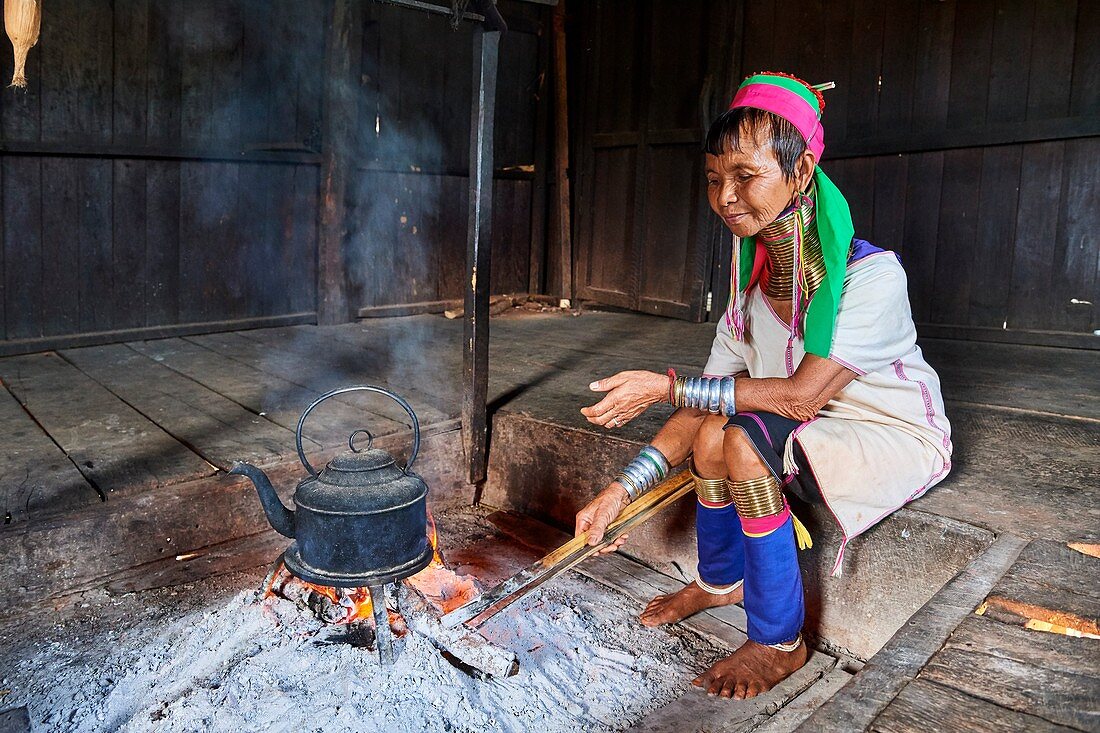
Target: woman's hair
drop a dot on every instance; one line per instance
(786, 141)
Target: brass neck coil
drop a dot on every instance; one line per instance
(779, 240)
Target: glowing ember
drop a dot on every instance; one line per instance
(445, 589)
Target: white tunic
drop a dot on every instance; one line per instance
(883, 440)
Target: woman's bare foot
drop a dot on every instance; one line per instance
(751, 670)
(689, 600)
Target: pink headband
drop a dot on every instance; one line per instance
(787, 105)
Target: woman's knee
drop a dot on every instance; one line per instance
(740, 453)
(708, 451)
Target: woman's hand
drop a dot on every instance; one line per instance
(601, 512)
(628, 395)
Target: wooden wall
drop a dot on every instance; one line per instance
(161, 172)
(965, 134)
(408, 240)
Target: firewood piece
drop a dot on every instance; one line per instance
(472, 649)
(477, 612)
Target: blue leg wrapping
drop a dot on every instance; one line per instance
(721, 545)
(774, 601)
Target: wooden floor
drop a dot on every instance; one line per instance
(154, 423)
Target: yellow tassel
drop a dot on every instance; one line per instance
(801, 534)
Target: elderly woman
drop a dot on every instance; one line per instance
(814, 386)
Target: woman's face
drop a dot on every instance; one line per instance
(747, 188)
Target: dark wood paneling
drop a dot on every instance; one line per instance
(23, 255)
(1031, 302)
(162, 168)
(963, 135)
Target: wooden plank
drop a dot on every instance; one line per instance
(899, 63)
(1020, 336)
(116, 448)
(1051, 676)
(1040, 379)
(129, 79)
(996, 230)
(162, 240)
(697, 712)
(46, 559)
(35, 475)
(208, 289)
(165, 73)
(1050, 575)
(279, 400)
(93, 228)
(1085, 94)
(60, 296)
(378, 364)
(1040, 464)
(562, 201)
(926, 706)
(218, 429)
(970, 59)
(297, 363)
(343, 52)
(1041, 182)
(792, 715)
(932, 80)
(70, 341)
(890, 201)
(1052, 56)
(899, 662)
(1075, 268)
(76, 81)
(921, 230)
(189, 565)
(129, 243)
(958, 231)
(23, 261)
(865, 69)
(1010, 59)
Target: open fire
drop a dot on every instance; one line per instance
(444, 589)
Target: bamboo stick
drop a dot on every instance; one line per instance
(481, 609)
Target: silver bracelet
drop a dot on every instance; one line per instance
(647, 469)
(715, 395)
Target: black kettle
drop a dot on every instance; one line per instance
(362, 521)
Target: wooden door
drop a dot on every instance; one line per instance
(644, 235)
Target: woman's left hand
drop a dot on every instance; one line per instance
(628, 395)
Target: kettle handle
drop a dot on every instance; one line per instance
(358, 388)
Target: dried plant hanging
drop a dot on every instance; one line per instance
(22, 21)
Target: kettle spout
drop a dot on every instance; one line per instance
(281, 518)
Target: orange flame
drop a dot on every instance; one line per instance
(356, 601)
(433, 537)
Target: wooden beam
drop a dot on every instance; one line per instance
(897, 664)
(97, 338)
(475, 344)
(996, 133)
(1060, 339)
(537, 263)
(561, 155)
(343, 51)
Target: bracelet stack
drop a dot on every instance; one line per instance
(709, 394)
(647, 469)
